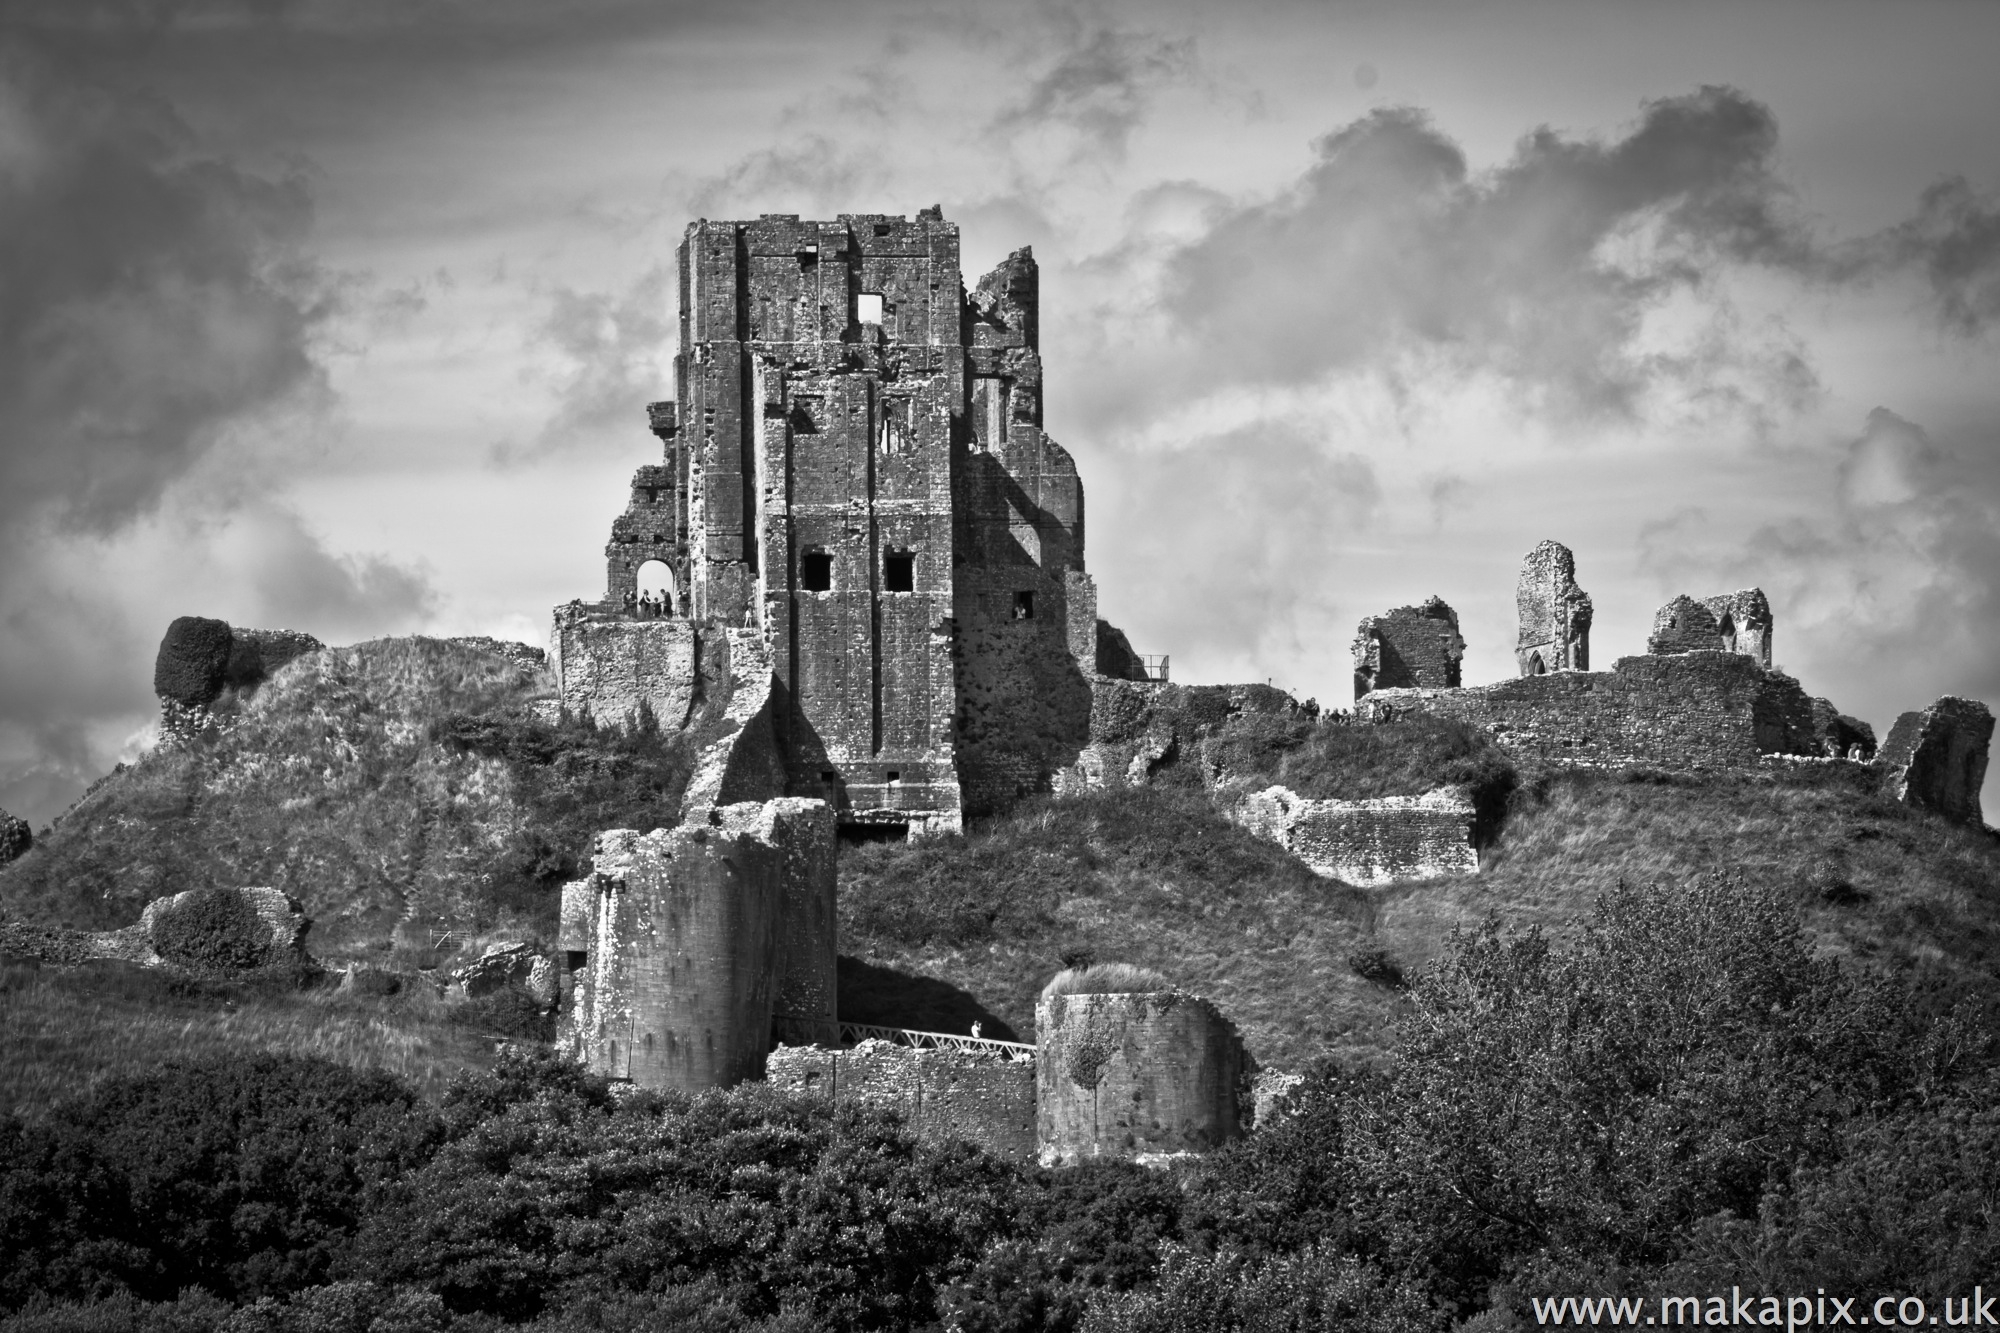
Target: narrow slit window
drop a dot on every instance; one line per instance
(868, 307)
(899, 571)
(816, 571)
(1024, 606)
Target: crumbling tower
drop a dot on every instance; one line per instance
(1411, 646)
(1555, 613)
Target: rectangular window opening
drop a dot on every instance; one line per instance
(868, 308)
(894, 775)
(816, 571)
(881, 229)
(1024, 606)
(899, 571)
(828, 775)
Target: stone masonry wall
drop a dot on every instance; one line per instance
(1554, 613)
(981, 1097)
(1411, 646)
(1372, 842)
(1688, 711)
(607, 665)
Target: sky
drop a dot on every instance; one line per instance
(342, 315)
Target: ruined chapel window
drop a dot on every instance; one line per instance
(868, 308)
(1024, 605)
(899, 571)
(816, 571)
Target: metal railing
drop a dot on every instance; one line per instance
(814, 1031)
(1155, 665)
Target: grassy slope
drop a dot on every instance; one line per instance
(396, 788)
(1156, 878)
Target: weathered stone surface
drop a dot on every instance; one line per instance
(523, 655)
(1838, 736)
(1135, 1076)
(15, 837)
(981, 1097)
(1554, 613)
(1115, 656)
(1732, 622)
(608, 666)
(507, 964)
(1686, 711)
(1935, 759)
(1369, 842)
(1411, 646)
(1137, 728)
(1268, 1092)
(690, 942)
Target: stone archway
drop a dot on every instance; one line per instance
(655, 583)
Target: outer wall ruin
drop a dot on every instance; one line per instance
(1687, 711)
(981, 1097)
(1411, 646)
(1936, 758)
(1554, 613)
(1369, 842)
(1144, 1075)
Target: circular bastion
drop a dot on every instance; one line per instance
(1137, 1075)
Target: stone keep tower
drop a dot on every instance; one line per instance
(855, 466)
(1555, 613)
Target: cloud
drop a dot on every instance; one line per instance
(1098, 86)
(614, 350)
(1954, 239)
(1544, 271)
(151, 293)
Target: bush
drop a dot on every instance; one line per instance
(1378, 966)
(212, 929)
(1314, 1291)
(193, 661)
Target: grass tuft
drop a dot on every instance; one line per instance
(1105, 979)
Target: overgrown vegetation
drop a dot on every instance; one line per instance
(406, 782)
(1684, 1097)
(212, 930)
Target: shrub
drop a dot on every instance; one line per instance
(1312, 1291)
(213, 929)
(1105, 979)
(193, 661)
(1378, 966)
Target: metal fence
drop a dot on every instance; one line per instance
(1155, 665)
(795, 1030)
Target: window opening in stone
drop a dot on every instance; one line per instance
(1535, 667)
(652, 495)
(868, 307)
(899, 572)
(654, 586)
(881, 229)
(828, 775)
(853, 834)
(1024, 606)
(893, 775)
(816, 571)
(1728, 631)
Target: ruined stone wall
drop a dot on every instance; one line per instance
(1026, 611)
(1411, 646)
(820, 379)
(15, 838)
(1137, 1076)
(981, 1097)
(1838, 736)
(1733, 622)
(1554, 613)
(1369, 842)
(1689, 711)
(1138, 727)
(607, 665)
(1935, 759)
(690, 941)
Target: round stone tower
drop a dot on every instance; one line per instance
(1134, 1075)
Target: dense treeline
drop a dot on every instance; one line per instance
(1685, 1100)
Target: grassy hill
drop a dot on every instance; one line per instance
(1157, 878)
(400, 789)
(404, 788)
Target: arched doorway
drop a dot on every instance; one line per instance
(1535, 665)
(656, 588)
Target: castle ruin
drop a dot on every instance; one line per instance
(1411, 646)
(855, 466)
(1554, 613)
(1733, 622)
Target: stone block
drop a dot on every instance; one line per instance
(1135, 1076)
(1369, 842)
(1935, 759)
(609, 665)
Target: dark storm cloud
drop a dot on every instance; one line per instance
(148, 294)
(1542, 270)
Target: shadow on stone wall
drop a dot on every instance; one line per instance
(887, 997)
